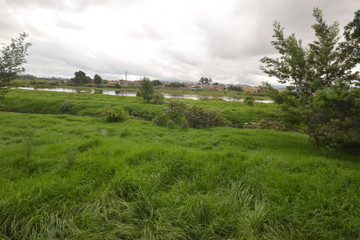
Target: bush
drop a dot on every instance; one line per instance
(115, 114)
(198, 117)
(266, 124)
(249, 101)
(159, 98)
(66, 107)
(174, 114)
(179, 114)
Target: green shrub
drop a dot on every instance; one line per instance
(115, 114)
(248, 100)
(179, 114)
(198, 117)
(174, 114)
(159, 98)
(266, 124)
(66, 107)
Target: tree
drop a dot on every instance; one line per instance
(321, 78)
(80, 78)
(235, 88)
(176, 85)
(97, 79)
(12, 58)
(146, 89)
(156, 83)
(205, 80)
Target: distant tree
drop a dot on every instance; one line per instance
(176, 85)
(80, 78)
(146, 89)
(156, 83)
(205, 80)
(11, 60)
(322, 78)
(97, 79)
(235, 88)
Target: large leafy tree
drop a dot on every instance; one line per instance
(97, 79)
(80, 78)
(205, 80)
(146, 89)
(321, 78)
(12, 59)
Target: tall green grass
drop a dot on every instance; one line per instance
(78, 177)
(237, 113)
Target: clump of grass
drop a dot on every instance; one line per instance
(67, 107)
(115, 114)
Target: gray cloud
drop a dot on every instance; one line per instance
(178, 40)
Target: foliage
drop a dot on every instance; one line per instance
(115, 114)
(180, 114)
(176, 85)
(159, 98)
(235, 88)
(316, 74)
(205, 80)
(275, 125)
(80, 78)
(12, 59)
(67, 107)
(339, 108)
(174, 114)
(97, 79)
(156, 83)
(249, 100)
(198, 117)
(146, 89)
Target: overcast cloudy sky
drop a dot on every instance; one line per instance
(179, 40)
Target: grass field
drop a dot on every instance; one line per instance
(237, 113)
(79, 177)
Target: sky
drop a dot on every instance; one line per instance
(176, 40)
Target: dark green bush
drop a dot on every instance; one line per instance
(159, 98)
(174, 114)
(179, 114)
(66, 107)
(115, 114)
(198, 117)
(248, 100)
(266, 124)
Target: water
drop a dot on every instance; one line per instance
(133, 94)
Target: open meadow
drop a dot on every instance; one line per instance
(66, 173)
(237, 113)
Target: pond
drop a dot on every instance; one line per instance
(133, 94)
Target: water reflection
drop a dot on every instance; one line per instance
(133, 94)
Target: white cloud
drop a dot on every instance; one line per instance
(179, 39)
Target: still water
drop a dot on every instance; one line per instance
(133, 94)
